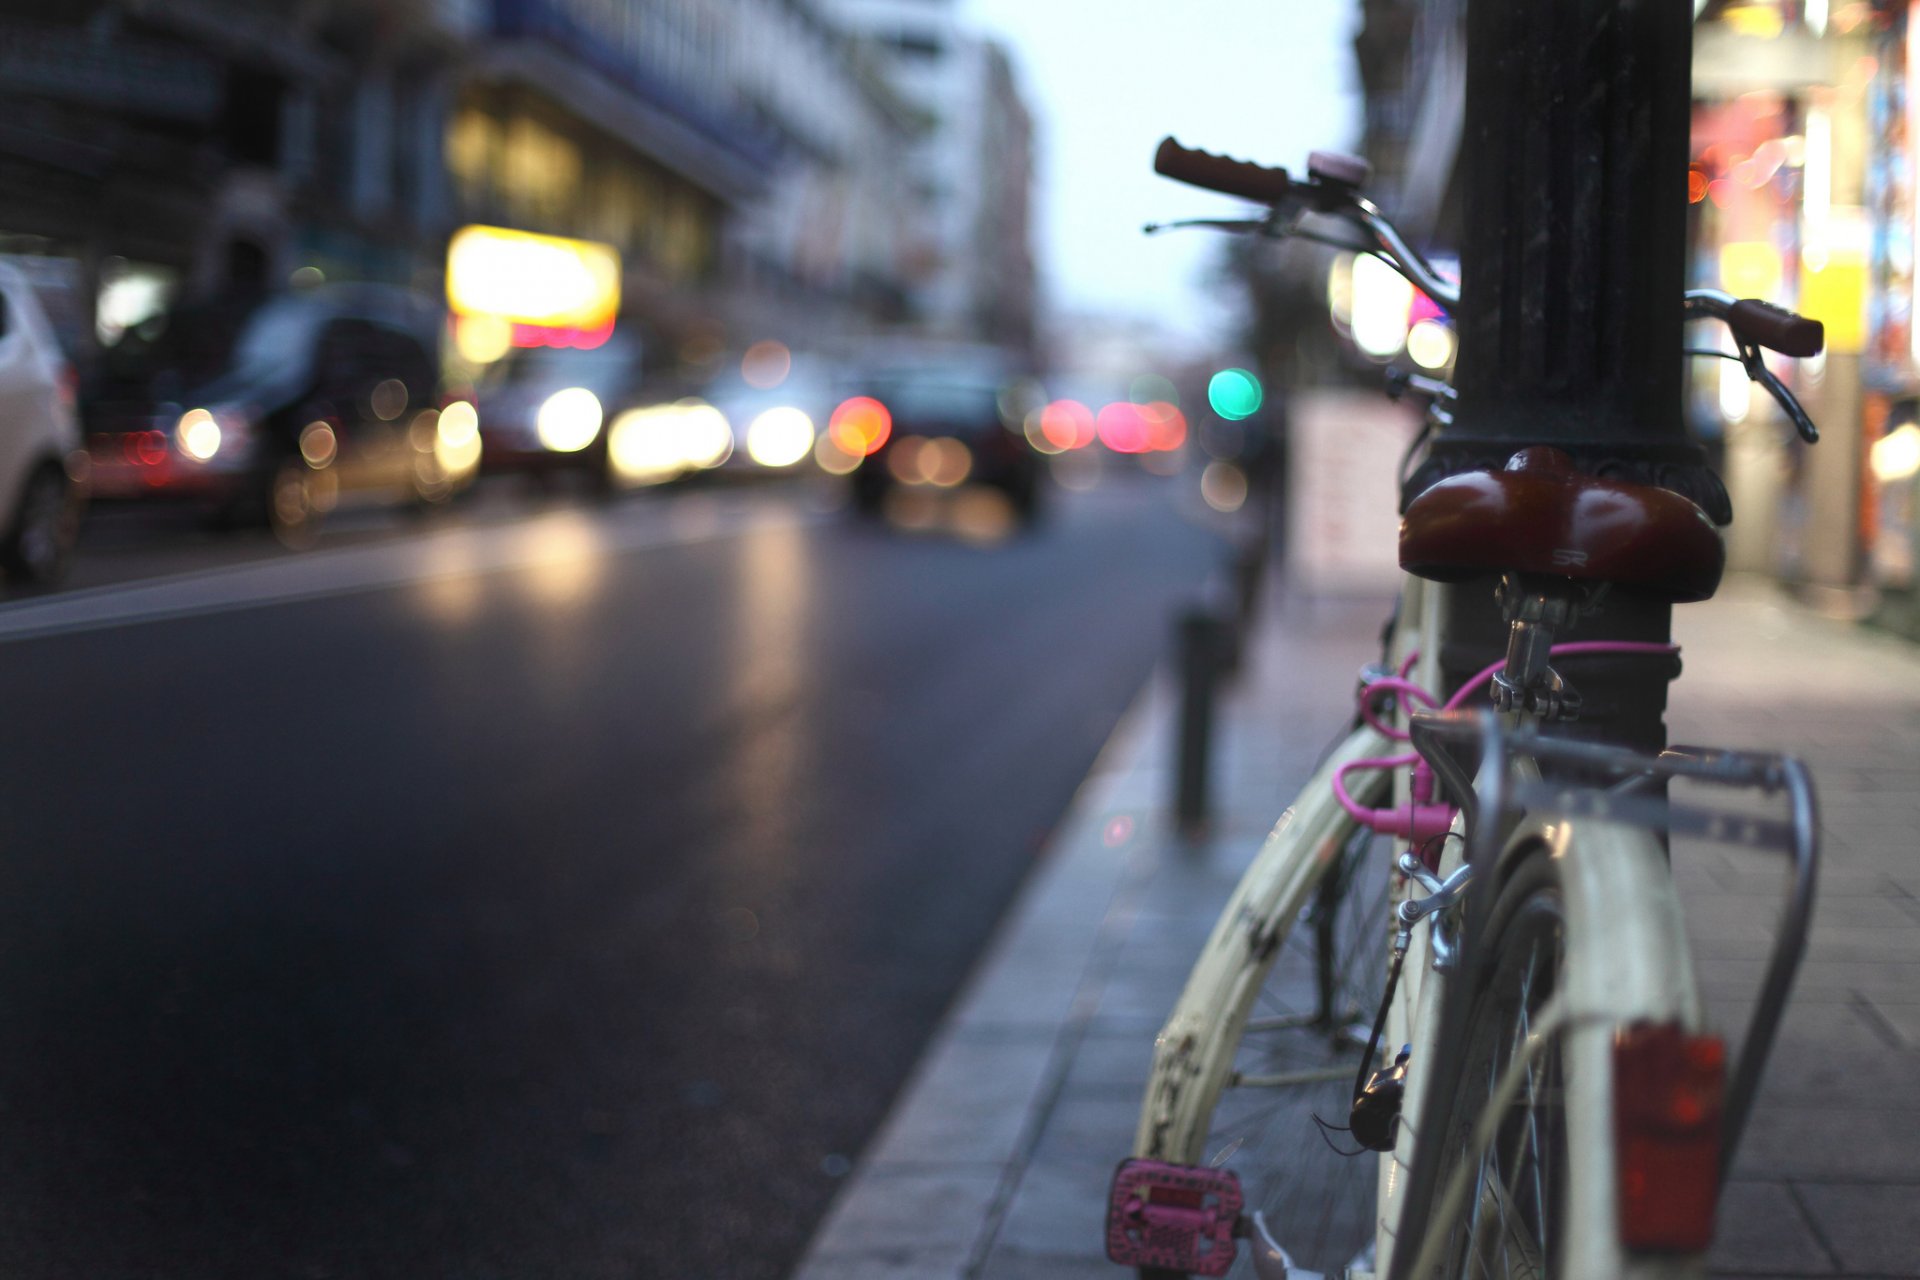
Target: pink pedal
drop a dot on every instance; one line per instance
(1173, 1216)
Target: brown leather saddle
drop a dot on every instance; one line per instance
(1542, 516)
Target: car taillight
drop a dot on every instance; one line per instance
(860, 426)
(148, 448)
(1667, 1093)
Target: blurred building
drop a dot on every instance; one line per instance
(203, 145)
(739, 153)
(744, 157)
(1779, 188)
(971, 167)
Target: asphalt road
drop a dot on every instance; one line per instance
(562, 894)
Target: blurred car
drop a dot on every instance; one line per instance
(594, 412)
(936, 425)
(546, 410)
(278, 408)
(39, 441)
(775, 416)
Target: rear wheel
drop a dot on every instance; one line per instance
(1511, 1222)
(1510, 1149)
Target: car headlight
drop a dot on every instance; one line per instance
(569, 420)
(202, 434)
(197, 434)
(780, 437)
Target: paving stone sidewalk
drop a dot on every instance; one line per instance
(995, 1160)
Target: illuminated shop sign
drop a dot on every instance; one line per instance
(528, 290)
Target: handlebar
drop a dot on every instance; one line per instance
(1760, 323)
(1756, 324)
(1224, 174)
(1332, 188)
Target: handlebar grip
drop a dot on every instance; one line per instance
(1224, 174)
(1777, 328)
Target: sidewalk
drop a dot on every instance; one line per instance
(995, 1160)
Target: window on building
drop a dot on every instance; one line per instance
(917, 45)
(251, 119)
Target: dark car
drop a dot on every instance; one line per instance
(276, 409)
(939, 426)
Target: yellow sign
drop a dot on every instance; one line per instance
(1836, 296)
(1750, 269)
(522, 278)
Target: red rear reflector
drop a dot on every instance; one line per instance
(1667, 1089)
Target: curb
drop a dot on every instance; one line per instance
(928, 1194)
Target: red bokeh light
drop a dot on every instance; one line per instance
(1067, 424)
(1166, 426)
(1122, 427)
(860, 426)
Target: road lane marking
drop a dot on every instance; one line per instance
(524, 544)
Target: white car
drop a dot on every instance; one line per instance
(40, 448)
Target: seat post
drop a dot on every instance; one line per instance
(1536, 613)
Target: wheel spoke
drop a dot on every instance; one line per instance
(1503, 1226)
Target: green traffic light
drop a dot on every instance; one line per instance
(1234, 394)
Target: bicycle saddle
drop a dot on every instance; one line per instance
(1542, 516)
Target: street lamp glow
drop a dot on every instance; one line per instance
(1381, 300)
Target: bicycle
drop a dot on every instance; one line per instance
(1549, 1100)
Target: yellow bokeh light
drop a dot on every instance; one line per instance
(832, 458)
(1380, 301)
(197, 434)
(1430, 344)
(482, 339)
(705, 438)
(569, 420)
(1896, 455)
(318, 444)
(457, 438)
(643, 446)
(945, 463)
(779, 437)
(532, 279)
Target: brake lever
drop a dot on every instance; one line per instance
(1217, 224)
(1757, 370)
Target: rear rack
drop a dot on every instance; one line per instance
(1632, 798)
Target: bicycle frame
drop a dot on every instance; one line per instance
(1627, 960)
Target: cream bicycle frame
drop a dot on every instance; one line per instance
(1626, 959)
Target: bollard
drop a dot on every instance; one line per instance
(1204, 640)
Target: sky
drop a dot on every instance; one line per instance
(1266, 80)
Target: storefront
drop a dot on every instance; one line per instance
(1778, 189)
(1889, 512)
